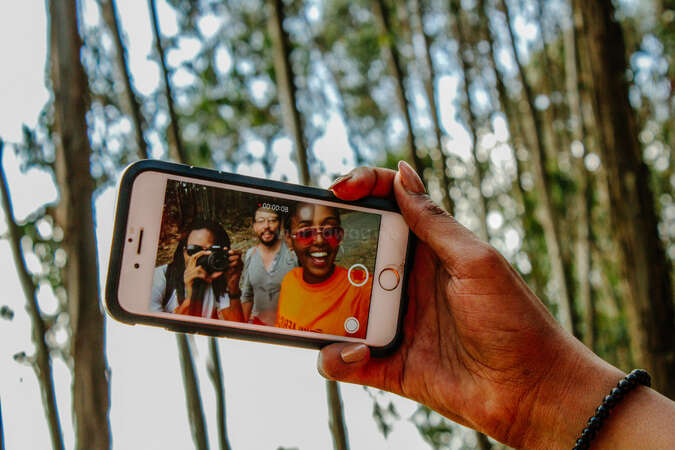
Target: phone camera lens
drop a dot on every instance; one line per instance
(136, 266)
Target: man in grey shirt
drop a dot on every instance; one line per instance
(265, 265)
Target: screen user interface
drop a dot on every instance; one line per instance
(230, 255)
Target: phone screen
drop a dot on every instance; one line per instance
(237, 256)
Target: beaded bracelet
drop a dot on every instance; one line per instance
(637, 376)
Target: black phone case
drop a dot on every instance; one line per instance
(177, 325)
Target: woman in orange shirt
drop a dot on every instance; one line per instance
(318, 296)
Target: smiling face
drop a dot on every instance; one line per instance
(266, 226)
(315, 255)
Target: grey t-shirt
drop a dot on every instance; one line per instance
(261, 286)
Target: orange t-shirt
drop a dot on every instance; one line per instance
(324, 307)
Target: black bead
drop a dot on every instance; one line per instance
(626, 383)
(616, 393)
(631, 378)
(588, 434)
(609, 401)
(594, 423)
(602, 411)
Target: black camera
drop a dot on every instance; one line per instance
(217, 261)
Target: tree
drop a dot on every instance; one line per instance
(286, 85)
(429, 77)
(287, 96)
(643, 260)
(391, 55)
(548, 217)
(91, 398)
(192, 396)
(41, 361)
(112, 21)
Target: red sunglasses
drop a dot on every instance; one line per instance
(306, 235)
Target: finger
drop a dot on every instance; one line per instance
(193, 259)
(457, 247)
(352, 363)
(364, 181)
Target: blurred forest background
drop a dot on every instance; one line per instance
(544, 126)
(185, 202)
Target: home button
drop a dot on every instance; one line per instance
(389, 279)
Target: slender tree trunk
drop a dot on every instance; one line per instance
(42, 363)
(548, 217)
(391, 55)
(338, 81)
(216, 375)
(583, 200)
(428, 78)
(549, 81)
(287, 91)
(2, 437)
(516, 134)
(479, 174)
(110, 16)
(644, 263)
(91, 396)
(286, 85)
(336, 416)
(190, 382)
(192, 396)
(176, 149)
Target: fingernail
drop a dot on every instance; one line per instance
(411, 181)
(339, 180)
(354, 353)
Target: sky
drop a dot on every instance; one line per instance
(275, 397)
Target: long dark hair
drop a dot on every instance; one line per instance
(176, 269)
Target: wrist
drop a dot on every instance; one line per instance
(567, 397)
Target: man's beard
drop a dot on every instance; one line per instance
(271, 242)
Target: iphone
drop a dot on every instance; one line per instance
(203, 251)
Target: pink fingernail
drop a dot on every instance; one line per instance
(411, 180)
(354, 353)
(338, 181)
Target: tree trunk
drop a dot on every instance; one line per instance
(42, 363)
(287, 91)
(479, 174)
(391, 55)
(216, 375)
(192, 397)
(176, 150)
(134, 110)
(190, 382)
(428, 78)
(2, 437)
(514, 125)
(548, 216)
(644, 263)
(549, 82)
(91, 396)
(286, 85)
(336, 416)
(583, 200)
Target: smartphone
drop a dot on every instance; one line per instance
(203, 251)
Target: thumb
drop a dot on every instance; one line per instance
(455, 245)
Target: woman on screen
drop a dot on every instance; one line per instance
(318, 296)
(203, 277)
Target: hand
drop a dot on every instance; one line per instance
(194, 271)
(233, 273)
(478, 347)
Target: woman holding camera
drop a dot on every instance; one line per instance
(203, 277)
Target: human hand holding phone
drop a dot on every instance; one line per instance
(479, 347)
